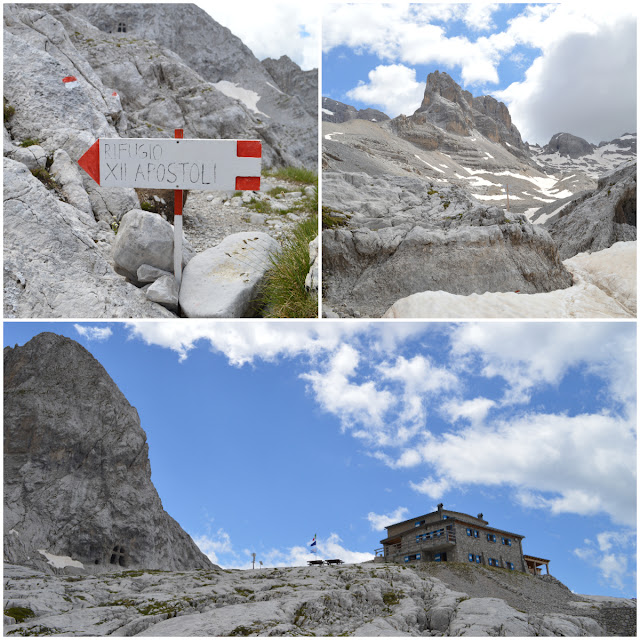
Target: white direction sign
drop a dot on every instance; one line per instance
(169, 163)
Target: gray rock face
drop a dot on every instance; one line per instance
(568, 145)
(456, 111)
(334, 111)
(57, 258)
(293, 80)
(597, 220)
(197, 71)
(404, 234)
(222, 282)
(77, 473)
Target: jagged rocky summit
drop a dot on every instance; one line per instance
(334, 111)
(78, 495)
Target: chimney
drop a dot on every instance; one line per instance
(440, 510)
(480, 516)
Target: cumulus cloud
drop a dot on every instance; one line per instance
(353, 403)
(97, 334)
(475, 410)
(215, 544)
(574, 88)
(611, 556)
(393, 88)
(243, 342)
(271, 30)
(585, 464)
(379, 521)
(528, 354)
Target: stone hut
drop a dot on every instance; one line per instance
(450, 536)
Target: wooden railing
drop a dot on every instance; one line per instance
(448, 537)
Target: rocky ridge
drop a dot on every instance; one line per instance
(334, 111)
(368, 599)
(78, 496)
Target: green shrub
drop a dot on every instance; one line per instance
(19, 614)
(261, 206)
(29, 142)
(148, 206)
(390, 598)
(329, 221)
(46, 178)
(283, 294)
(9, 111)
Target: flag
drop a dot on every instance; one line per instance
(314, 548)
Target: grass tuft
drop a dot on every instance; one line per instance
(29, 142)
(294, 174)
(284, 294)
(19, 614)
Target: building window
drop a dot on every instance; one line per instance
(471, 557)
(438, 557)
(444, 517)
(506, 541)
(469, 532)
(491, 537)
(476, 533)
(122, 27)
(510, 565)
(419, 523)
(478, 560)
(415, 556)
(493, 562)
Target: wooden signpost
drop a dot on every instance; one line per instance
(178, 164)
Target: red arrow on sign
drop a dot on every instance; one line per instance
(90, 161)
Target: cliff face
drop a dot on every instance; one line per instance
(77, 477)
(456, 111)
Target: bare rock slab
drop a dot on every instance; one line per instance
(223, 282)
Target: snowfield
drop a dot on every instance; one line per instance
(605, 286)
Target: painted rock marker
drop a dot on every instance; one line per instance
(165, 163)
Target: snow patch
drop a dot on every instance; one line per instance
(329, 113)
(428, 165)
(335, 133)
(248, 98)
(500, 197)
(545, 216)
(276, 88)
(60, 562)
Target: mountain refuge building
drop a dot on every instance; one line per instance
(450, 536)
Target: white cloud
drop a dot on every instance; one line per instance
(574, 88)
(391, 87)
(379, 521)
(529, 354)
(478, 15)
(353, 403)
(475, 410)
(611, 557)
(212, 546)
(271, 29)
(585, 464)
(99, 334)
(243, 342)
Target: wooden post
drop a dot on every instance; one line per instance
(507, 196)
(177, 226)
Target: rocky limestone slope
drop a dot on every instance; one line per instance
(398, 236)
(604, 286)
(600, 218)
(334, 111)
(285, 120)
(368, 599)
(77, 478)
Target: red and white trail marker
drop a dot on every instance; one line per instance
(165, 163)
(70, 82)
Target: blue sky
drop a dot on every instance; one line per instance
(556, 66)
(262, 434)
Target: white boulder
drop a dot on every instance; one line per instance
(223, 282)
